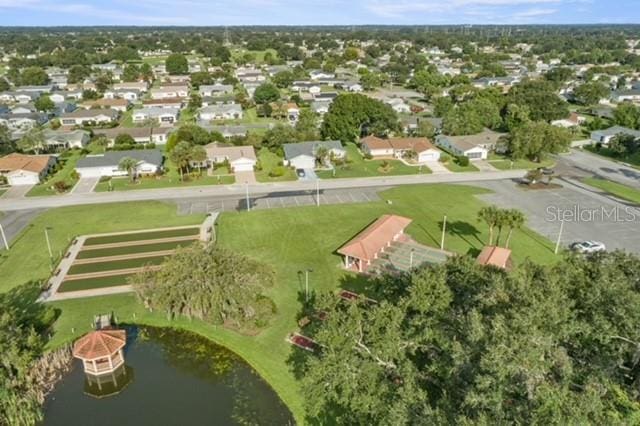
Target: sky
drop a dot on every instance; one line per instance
(314, 12)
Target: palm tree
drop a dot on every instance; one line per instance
(181, 155)
(198, 155)
(322, 153)
(515, 221)
(129, 165)
(502, 220)
(489, 215)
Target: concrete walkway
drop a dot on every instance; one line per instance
(63, 267)
(105, 291)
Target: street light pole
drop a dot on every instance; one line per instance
(411, 259)
(444, 228)
(559, 237)
(4, 238)
(46, 235)
(306, 283)
(246, 185)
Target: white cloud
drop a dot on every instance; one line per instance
(395, 9)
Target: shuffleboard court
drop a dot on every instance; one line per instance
(93, 283)
(88, 268)
(141, 236)
(131, 249)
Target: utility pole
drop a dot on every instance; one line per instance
(46, 236)
(559, 237)
(4, 237)
(246, 185)
(444, 228)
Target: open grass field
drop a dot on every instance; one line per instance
(140, 236)
(502, 162)
(268, 161)
(65, 174)
(93, 283)
(119, 251)
(621, 191)
(288, 239)
(359, 167)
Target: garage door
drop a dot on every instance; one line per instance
(428, 156)
(243, 167)
(17, 180)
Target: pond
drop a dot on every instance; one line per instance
(170, 377)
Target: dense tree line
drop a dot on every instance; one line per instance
(465, 344)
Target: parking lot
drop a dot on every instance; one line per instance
(589, 215)
(277, 200)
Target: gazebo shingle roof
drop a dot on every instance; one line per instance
(99, 344)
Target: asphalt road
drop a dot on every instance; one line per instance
(255, 190)
(15, 221)
(582, 163)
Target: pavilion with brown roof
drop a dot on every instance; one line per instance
(101, 350)
(370, 243)
(495, 256)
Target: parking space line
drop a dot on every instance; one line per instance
(338, 197)
(296, 199)
(267, 201)
(352, 199)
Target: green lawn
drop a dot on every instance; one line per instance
(258, 54)
(268, 161)
(502, 162)
(140, 236)
(127, 119)
(454, 166)
(359, 167)
(120, 251)
(288, 239)
(187, 116)
(92, 283)
(66, 174)
(621, 191)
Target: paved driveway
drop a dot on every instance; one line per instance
(17, 191)
(584, 161)
(437, 167)
(484, 166)
(85, 185)
(245, 177)
(589, 215)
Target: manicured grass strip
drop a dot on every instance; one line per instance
(621, 191)
(112, 266)
(119, 251)
(140, 236)
(91, 283)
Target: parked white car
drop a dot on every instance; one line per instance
(588, 247)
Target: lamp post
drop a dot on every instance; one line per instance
(559, 237)
(306, 283)
(246, 185)
(46, 236)
(4, 238)
(411, 259)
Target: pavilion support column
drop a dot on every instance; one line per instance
(95, 366)
(110, 362)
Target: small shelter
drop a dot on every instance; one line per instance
(101, 350)
(370, 243)
(495, 256)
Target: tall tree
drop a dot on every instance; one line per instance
(177, 64)
(181, 155)
(128, 165)
(32, 141)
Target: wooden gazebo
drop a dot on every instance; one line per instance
(101, 350)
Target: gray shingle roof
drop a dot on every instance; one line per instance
(293, 150)
(112, 158)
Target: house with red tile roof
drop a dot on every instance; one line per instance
(367, 246)
(21, 169)
(400, 147)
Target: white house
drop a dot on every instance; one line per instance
(215, 89)
(165, 116)
(240, 158)
(170, 92)
(66, 138)
(398, 105)
(573, 120)
(302, 155)
(220, 112)
(81, 116)
(149, 162)
(130, 95)
(604, 136)
(474, 147)
(20, 169)
(400, 147)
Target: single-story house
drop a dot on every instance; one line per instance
(66, 138)
(161, 115)
(47, 88)
(163, 103)
(23, 121)
(21, 169)
(573, 120)
(399, 147)
(149, 162)
(626, 95)
(474, 147)
(23, 108)
(142, 135)
(82, 116)
(186, 78)
(240, 158)
(220, 112)
(302, 155)
(320, 107)
(142, 86)
(131, 95)
(495, 256)
(215, 89)
(398, 105)
(319, 74)
(367, 246)
(170, 92)
(117, 104)
(306, 86)
(604, 136)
